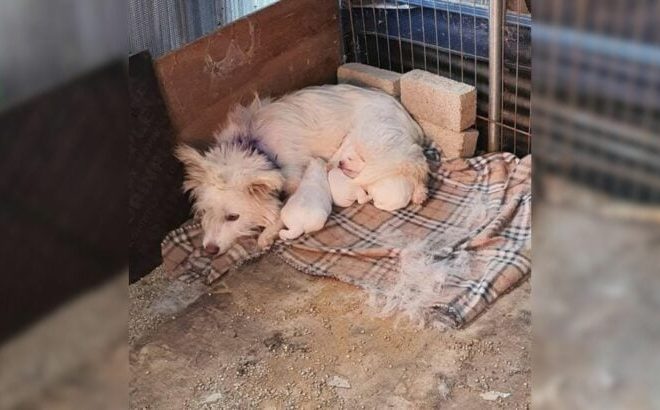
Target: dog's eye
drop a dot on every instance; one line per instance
(232, 217)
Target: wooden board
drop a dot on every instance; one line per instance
(284, 47)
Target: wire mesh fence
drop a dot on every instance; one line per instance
(450, 38)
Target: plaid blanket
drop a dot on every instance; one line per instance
(444, 261)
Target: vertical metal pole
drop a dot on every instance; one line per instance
(495, 22)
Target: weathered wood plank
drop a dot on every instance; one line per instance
(287, 46)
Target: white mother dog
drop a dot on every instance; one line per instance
(264, 148)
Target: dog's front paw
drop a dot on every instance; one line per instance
(363, 198)
(265, 240)
(419, 195)
(270, 233)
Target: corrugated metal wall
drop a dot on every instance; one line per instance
(43, 44)
(164, 25)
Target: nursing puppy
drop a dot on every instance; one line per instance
(393, 191)
(344, 191)
(398, 167)
(307, 210)
(265, 147)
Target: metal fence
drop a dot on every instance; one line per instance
(451, 38)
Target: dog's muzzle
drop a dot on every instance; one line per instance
(212, 249)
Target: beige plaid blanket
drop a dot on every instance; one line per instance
(442, 262)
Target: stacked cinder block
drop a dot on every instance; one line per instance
(445, 109)
(367, 76)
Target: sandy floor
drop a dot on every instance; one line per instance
(268, 336)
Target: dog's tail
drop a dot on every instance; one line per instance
(239, 119)
(287, 234)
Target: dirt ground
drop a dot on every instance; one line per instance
(270, 337)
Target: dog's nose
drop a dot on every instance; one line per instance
(341, 164)
(211, 249)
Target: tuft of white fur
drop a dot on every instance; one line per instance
(307, 210)
(423, 270)
(344, 191)
(424, 265)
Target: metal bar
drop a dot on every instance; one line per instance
(495, 73)
(387, 30)
(474, 37)
(398, 33)
(410, 30)
(515, 115)
(424, 37)
(437, 42)
(503, 135)
(373, 12)
(460, 28)
(448, 38)
(364, 34)
(353, 35)
(508, 127)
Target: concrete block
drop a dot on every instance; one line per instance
(453, 144)
(439, 100)
(367, 76)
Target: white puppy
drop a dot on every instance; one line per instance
(308, 208)
(391, 193)
(347, 158)
(344, 191)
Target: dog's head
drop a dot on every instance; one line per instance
(235, 192)
(351, 159)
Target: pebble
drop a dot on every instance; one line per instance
(337, 381)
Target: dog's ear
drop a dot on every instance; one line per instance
(265, 183)
(193, 162)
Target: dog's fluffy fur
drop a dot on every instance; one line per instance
(307, 210)
(233, 178)
(344, 190)
(314, 121)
